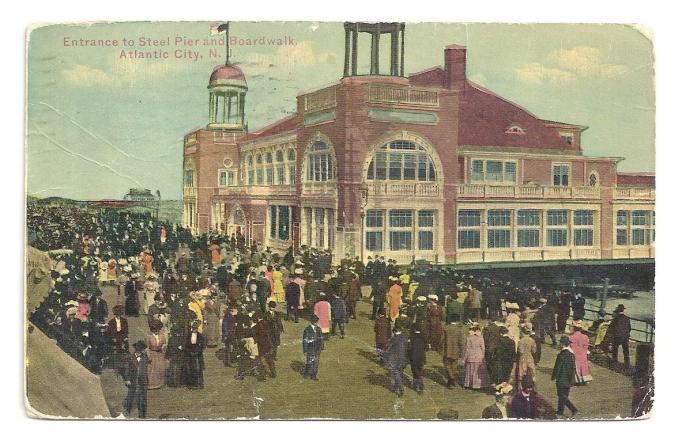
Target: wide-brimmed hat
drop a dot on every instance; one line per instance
(421, 298)
(433, 297)
(503, 389)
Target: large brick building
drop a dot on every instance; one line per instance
(425, 166)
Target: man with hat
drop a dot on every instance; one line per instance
(292, 296)
(118, 331)
(313, 344)
(528, 404)
(545, 321)
(229, 334)
(498, 410)
(454, 340)
(136, 380)
(395, 357)
(564, 376)
(620, 334)
(193, 371)
(382, 333)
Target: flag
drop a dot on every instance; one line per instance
(218, 28)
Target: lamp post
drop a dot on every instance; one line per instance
(364, 194)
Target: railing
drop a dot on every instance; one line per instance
(403, 189)
(189, 192)
(527, 191)
(319, 188)
(634, 193)
(526, 254)
(402, 95)
(319, 100)
(634, 252)
(256, 190)
(644, 329)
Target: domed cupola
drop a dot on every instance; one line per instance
(227, 95)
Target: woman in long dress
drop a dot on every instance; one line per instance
(475, 373)
(580, 344)
(156, 343)
(512, 323)
(212, 319)
(278, 285)
(323, 311)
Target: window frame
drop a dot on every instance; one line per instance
(485, 179)
(568, 174)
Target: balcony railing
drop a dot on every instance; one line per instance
(256, 190)
(189, 192)
(527, 254)
(402, 95)
(634, 193)
(318, 188)
(403, 189)
(527, 191)
(319, 100)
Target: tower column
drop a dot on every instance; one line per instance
(354, 55)
(394, 53)
(228, 98)
(402, 52)
(211, 118)
(242, 100)
(346, 60)
(374, 60)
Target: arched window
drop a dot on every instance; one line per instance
(291, 167)
(280, 175)
(320, 162)
(251, 172)
(259, 169)
(401, 160)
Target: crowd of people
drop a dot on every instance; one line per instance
(215, 291)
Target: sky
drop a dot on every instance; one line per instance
(100, 122)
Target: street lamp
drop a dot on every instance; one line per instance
(364, 195)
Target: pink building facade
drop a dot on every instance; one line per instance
(427, 166)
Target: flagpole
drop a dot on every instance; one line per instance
(227, 43)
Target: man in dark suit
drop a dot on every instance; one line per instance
(620, 329)
(527, 404)
(454, 339)
(274, 318)
(504, 356)
(292, 295)
(313, 344)
(395, 357)
(229, 334)
(545, 321)
(118, 331)
(416, 351)
(136, 380)
(564, 376)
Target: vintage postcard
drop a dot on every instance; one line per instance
(359, 220)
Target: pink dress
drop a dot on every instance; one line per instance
(323, 311)
(580, 344)
(475, 372)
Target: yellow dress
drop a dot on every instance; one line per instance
(197, 307)
(278, 287)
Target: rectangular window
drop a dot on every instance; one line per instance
(374, 219)
(640, 236)
(499, 238)
(400, 218)
(499, 218)
(251, 177)
(374, 241)
(621, 237)
(640, 218)
(560, 175)
(622, 217)
(528, 217)
(477, 170)
(425, 218)
(468, 239)
(380, 166)
(426, 240)
(222, 178)
(469, 218)
(410, 166)
(281, 178)
(283, 223)
(557, 237)
(292, 174)
(583, 237)
(400, 240)
(493, 171)
(395, 166)
(528, 238)
(557, 217)
(259, 177)
(231, 175)
(583, 217)
(510, 172)
(189, 178)
(269, 175)
(273, 221)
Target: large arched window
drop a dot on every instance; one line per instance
(320, 162)
(280, 177)
(251, 171)
(401, 160)
(291, 160)
(259, 169)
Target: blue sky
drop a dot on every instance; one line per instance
(99, 124)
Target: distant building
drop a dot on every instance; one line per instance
(139, 194)
(426, 166)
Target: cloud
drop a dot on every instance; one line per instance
(565, 65)
(86, 76)
(289, 57)
(537, 73)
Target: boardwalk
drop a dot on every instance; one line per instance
(352, 385)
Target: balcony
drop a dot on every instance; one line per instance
(256, 190)
(527, 191)
(320, 100)
(403, 95)
(189, 192)
(319, 188)
(634, 193)
(402, 189)
(527, 254)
